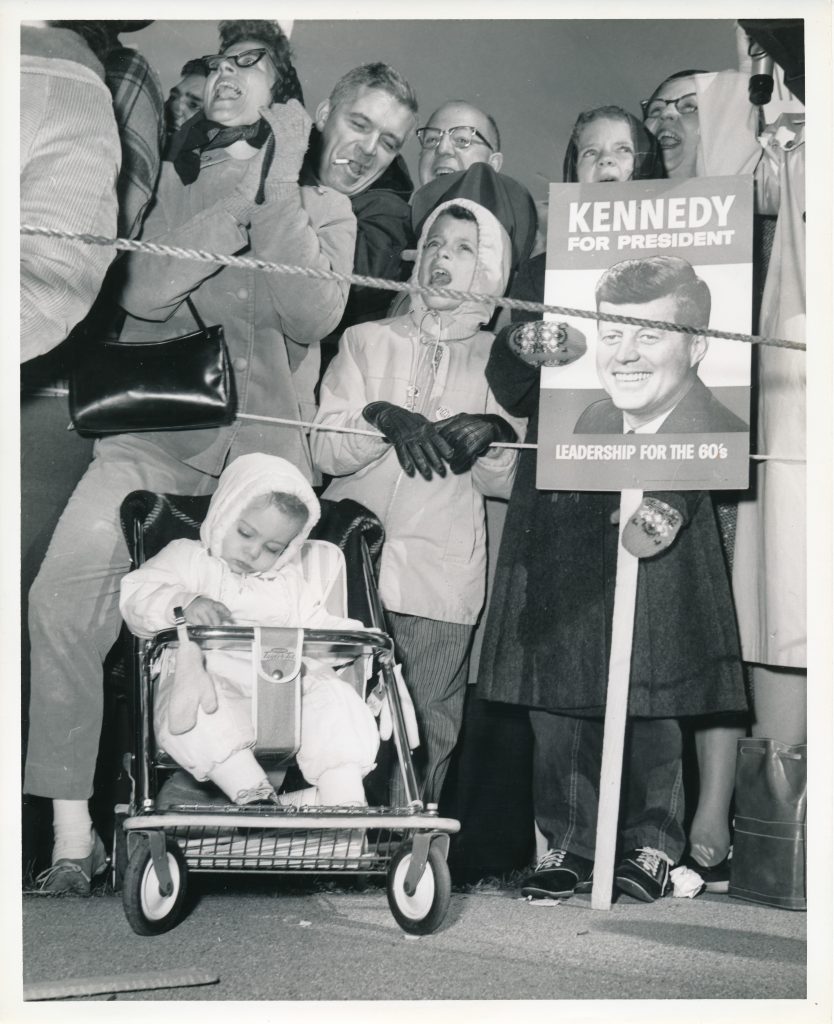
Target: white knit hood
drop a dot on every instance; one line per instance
(245, 479)
(492, 272)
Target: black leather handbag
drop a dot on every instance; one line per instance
(768, 863)
(183, 383)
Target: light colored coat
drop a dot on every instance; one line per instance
(769, 578)
(264, 315)
(434, 557)
(336, 726)
(185, 569)
(69, 161)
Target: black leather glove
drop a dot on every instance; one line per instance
(470, 435)
(416, 441)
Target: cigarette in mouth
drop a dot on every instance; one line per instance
(341, 160)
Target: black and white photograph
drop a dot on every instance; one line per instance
(370, 663)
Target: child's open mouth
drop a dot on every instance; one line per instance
(440, 276)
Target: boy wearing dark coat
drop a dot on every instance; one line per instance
(548, 636)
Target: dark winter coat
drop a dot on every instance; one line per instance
(548, 631)
(383, 232)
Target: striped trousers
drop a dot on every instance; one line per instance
(435, 662)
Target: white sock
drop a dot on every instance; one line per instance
(238, 773)
(342, 787)
(72, 829)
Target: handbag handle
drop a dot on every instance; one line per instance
(195, 314)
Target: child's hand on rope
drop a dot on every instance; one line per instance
(470, 436)
(417, 442)
(547, 343)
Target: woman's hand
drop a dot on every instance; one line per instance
(290, 124)
(203, 611)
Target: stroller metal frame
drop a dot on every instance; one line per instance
(163, 845)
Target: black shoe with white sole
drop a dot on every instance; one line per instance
(559, 874)
(644, 874)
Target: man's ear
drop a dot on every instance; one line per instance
(698, 349)
(322, 114)
(496, 161)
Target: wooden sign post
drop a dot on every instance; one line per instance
(616, 705)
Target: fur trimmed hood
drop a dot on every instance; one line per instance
(250, 477)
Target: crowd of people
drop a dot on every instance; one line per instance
(232, 163)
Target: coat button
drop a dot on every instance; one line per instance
(240, 363)
(242, 293)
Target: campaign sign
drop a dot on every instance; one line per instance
(644, 407)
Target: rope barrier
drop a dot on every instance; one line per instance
(250, 263)
(57, 392)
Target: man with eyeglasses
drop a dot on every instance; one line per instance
(456, 136)
(460, 158)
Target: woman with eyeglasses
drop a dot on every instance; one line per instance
(229, 187)
(671, 115)
(706, 124)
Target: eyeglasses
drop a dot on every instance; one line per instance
(247, 59)
(461, 137)
(686, 104)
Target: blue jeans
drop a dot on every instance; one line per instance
(567, 755)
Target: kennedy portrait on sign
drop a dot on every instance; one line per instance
(651, 374)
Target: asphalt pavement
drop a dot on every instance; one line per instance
(300, 940)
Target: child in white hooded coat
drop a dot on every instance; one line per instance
(419, 379)
(246, 570)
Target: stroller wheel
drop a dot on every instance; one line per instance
(422, 913)
(148, 911)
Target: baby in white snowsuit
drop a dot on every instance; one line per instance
(246, 570)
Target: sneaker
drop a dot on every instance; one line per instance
(559, 873)
(73, 875)
(644, 874)
(715, 878)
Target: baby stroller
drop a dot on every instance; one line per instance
(174, 825)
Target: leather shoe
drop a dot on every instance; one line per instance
(73, 874)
